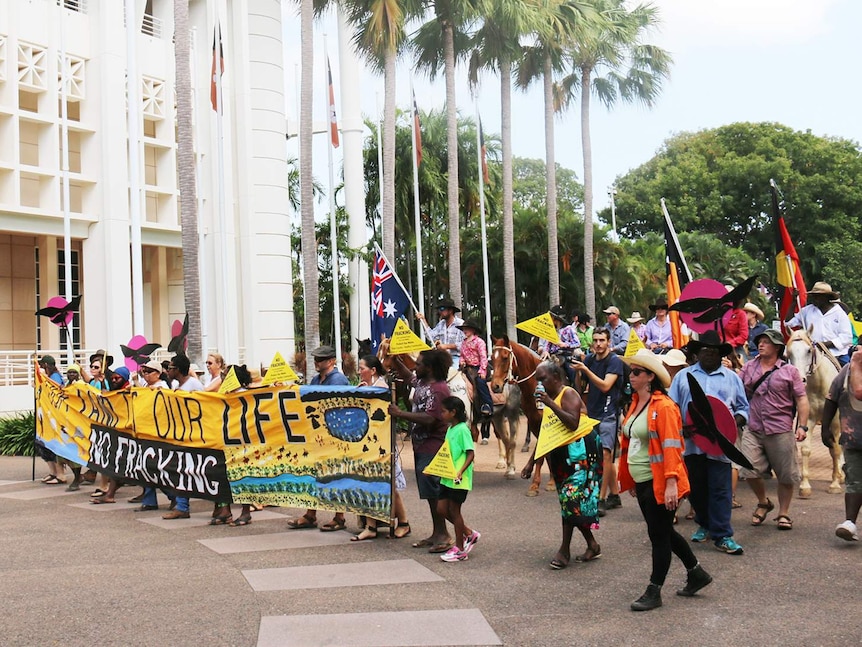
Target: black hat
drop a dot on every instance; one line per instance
(448, 304)
(101, 355)
(709, 339)
(471, 323)
(661, 302)
(557, 312)
(323, 352)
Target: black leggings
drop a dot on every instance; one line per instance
(662, 535)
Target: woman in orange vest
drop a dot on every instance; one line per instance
(652, 469)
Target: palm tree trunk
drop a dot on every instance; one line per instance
(508, 218)
(311, 291)
(186, 179)
(388, 215)
(589, 281)
(452, 165)
(551, 198)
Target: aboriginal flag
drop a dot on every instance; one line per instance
(333, 122)
(218, 63)
(786, 263)
(678, 276)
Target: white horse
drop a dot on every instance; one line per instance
(818, 369)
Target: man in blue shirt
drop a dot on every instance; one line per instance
(49, 365)
(619, 331)
(710, 476)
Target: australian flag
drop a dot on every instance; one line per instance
(389, 301)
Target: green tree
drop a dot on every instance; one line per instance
(610, 60)
(717, 182)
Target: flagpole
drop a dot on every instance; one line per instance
(379, 168)
(134, 121)
(481, 156)
(64, 167)
(416, 215)
(333, 234)
(790, 269)
(200, 198)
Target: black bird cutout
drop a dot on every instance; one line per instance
(713, 309)
(178, 342)
(58, 315)
(140, 355)
(703, 421)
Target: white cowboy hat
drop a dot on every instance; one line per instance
(750, 307)
(651, 362)
(674, 358)
(636, 316)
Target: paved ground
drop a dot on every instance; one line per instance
(77, 574)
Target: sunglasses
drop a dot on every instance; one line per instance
(95, 367)
(639, 371)
(148, 370)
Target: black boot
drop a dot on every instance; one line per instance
(697, 579)
(651, 599)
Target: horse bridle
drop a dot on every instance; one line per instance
(513, 363)
(814, 352)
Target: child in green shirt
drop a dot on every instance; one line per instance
(453, 492)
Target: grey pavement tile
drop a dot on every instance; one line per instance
(105, 507)
(386, 629)
(201, 519)
(323, 576)
(34, 493)
(2, 483)
(275, 541)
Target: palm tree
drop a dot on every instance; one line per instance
(497, 45)
(186, 179)
(446, 35)
(632, 71)
(311, 290)
(560, 20)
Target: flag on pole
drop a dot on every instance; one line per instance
(678, 276)
(787, 269)
(218, 62)
(389, 300)
(484, 152)
(417, 126)
(333, 122)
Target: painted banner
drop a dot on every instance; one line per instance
(327, 448)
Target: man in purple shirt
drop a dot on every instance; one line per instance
(659, 335)
(775, 390)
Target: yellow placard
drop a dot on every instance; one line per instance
(635, 344)
(229, 383)
(405, 340)
(554, 433)
(442, 464)
(279, 371)
(542, 327)
(857, 325)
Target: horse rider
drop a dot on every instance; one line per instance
(569, 346)
(474, 364)
(826, 320)
(659, 334)
(446, 335)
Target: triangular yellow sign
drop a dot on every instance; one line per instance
(442, 464)
(542, 327)
(279, 371)
(553, 433)
(404, 340)
(229, 383)
(635, 344)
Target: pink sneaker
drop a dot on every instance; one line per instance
(454, 555)
(471, 540)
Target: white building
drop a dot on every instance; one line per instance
(246, 278)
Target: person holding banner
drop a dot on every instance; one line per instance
(576, 467)
(652, 469)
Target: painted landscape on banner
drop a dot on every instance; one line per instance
(327, 448)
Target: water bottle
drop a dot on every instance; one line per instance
(540, 389)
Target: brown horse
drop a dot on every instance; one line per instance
(516, 364)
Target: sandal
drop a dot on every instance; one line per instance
(332, 526)
(757, 519)
(423, 543)
(590, 554)
(241, 521)
(101, 499)
(735, 504)
(54, 481)
(221, 520)
(442, 547)
(559, 563)
(98, 492)
(370, 532)
(401, 531)
(301, 523)
(47, 478)
(784, 522)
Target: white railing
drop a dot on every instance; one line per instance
(74, 5)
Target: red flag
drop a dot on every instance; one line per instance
(484, 153)
(787, 268)
(418, 129)
(333, 122)
(218, 59)
(678, 276)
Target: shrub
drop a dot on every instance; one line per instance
(16, 434)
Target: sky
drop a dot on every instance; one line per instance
(789, 61)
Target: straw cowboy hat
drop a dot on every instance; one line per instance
(753, 309)
(651, 362)
(821, 287)
(674, 358)
(636, 316)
